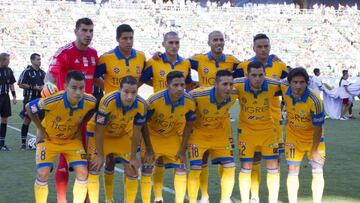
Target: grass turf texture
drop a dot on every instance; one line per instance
(342, 174)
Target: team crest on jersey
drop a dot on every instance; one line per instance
(205, 111)
(138, 70)
(161, 115)
(102, 109)
(243, 100)
(33, 108)
(128, 71)
(116, 70)
(93, 62)
(206, 70)
(302, 113)
(58, 118)
(162, 73)
(100, 119)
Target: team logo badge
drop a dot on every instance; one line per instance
(100, 119)
(205, 111)
(206, 70)
(138, 70)
(128, 71)
(116, 70)
(161, 115)
(302, 113)
(58, 118)
(162, 73)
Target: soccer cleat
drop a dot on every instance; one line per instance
(110, 201)
(23, 147)
(254, 200)
(4, 148)
(158, 201)
(203, 200)
(343, 118)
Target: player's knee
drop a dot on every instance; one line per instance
(229, 164)
(81, 172)
(43, 174)
(93, 172)
(110, 162)
(26, 121)
(195, 167)
(159, 162)
(180, 171)
(131, 173)
(247, 165)
(272, 163)
(146, 170)
(293, 169)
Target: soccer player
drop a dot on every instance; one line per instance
(209, 134)
(66, 112)
(108, 133)
(166, 108)
(114, 65)
(256, 128)
(304, 133)
(32, 81)
(7, 81)
(74, 56)
(276, 70)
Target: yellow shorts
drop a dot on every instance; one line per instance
(120, 147)
(295, 149)
(217, 143)
(47, 151)
(166, 147)
(249, 143)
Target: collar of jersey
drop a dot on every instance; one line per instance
(179, 59)
(67, 104)
(264, 87)
(302, 99)
(213, 100)
(269, 62)
(168, 101)
(118, 103)
(120, 56)
(222, 58)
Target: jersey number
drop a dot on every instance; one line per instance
(42, 155)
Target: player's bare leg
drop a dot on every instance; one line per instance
(41, 185)
(81, 183)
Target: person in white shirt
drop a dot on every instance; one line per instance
(346, 95)
(315, 81)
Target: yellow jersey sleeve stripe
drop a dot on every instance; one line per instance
(187, 95)
(109, 99)
(317, 103)
(156, 97)
(239, 80)
(53, 99)
(90, 98)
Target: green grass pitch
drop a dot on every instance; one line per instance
(342, 174)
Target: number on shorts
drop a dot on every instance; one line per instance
(42, 155)
(242, 150)
(292, 152)
(195, 152)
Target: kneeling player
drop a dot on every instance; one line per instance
(60, 133)
(109, 130)
(209, 134)
(303, 133)
(166, 108)
(256, 128)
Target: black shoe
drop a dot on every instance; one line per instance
(4, 148)
(23, 147)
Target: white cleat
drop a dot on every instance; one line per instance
(254, 200)
(203, 200)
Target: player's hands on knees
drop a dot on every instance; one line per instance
(316, 157)
(40, 135)
(156, 56)
(149, 157)
(134, 164)
(181, 155)
(97, 163)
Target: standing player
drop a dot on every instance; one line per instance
(109, 130)
(7, 81)
(74, 56)
(66, 113)
(276, 70)
(114, 65)
(304, 133)
(209, 134)
(256, 128)
(166, 108)
(32, 81)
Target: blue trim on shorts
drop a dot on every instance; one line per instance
(221, 159)
(76, 163)
(89, 134)
(322, 139)
(196, 162)
(257, 154)
(271, 157)
(171, 165)
(281, 151)
(47, 164)
(247, 159)
(281, 122)
(296, 163)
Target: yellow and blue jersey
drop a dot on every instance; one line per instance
(255, 107)
(207, 66)
(210, 115)
(62, 120)
(163, 115)
(116, 118)
(113, 66)
(157, 70)
(303, 113)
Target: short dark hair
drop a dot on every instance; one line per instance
(85, 21)
(34, 55)
(222, 73)
(168, 34)
(255, 64)
(316, 71)
(173, 74)
(298, 71)
(345, 72)
(3, 56)
(74, 74)
(123, 28)
(260, 36)
(131, 80)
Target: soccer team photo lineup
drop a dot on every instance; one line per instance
(251, 129)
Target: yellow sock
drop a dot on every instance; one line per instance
(131, 185)
(255, 179)
(193, 185)
(273, 184)
(109, 185)
(204, 181)
(41, 191)
(93, 187)
(80, 191)
(292, 187)
(180, 186)
(146, 188)
(317, 186)
(220, 170)
(227, 183)
(158, 178)
(244, 184)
